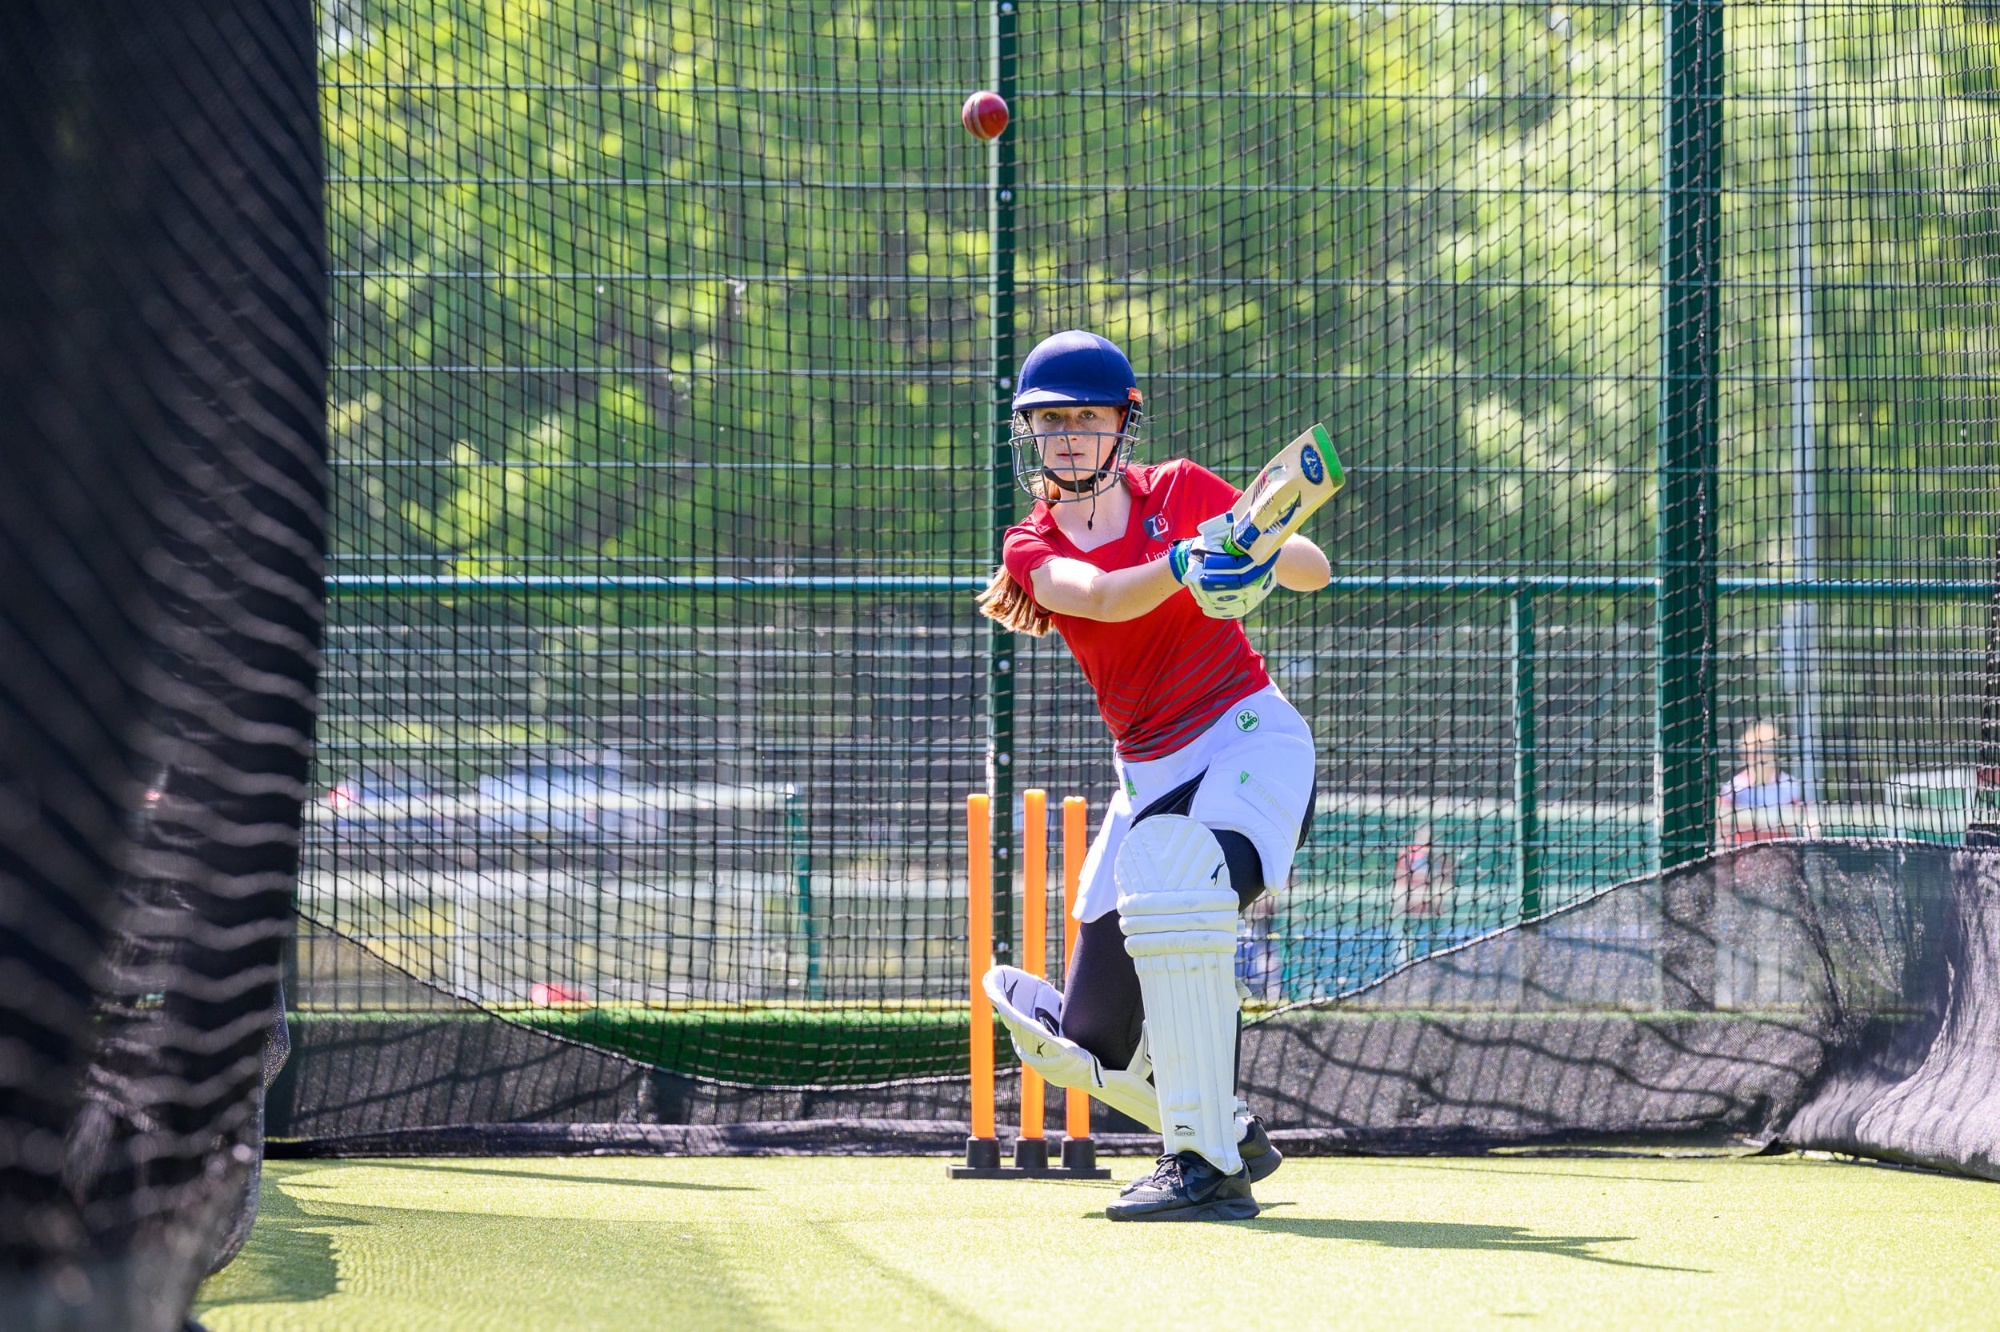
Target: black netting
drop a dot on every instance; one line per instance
(1711, 1001)
(161, 515)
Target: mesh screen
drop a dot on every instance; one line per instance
(162, 509)
(669, 348)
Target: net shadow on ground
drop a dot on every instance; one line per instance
(294, 1259)
(1451, 1236)
(566, 1177)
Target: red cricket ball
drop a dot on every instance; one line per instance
(984, 114)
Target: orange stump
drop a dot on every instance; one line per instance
(1076, 844)
(979, 955)
(1079, 1153)
(1031, 1148)
(1031, 1151)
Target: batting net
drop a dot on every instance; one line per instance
(162, 484)
(671, 352)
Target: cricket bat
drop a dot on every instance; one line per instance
(1305, 475)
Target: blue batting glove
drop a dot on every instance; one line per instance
(1230, 573)
(1179, 556)
(1229, 587)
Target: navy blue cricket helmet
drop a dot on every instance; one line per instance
(1073, 369)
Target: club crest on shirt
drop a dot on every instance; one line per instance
(1156, 527)
(1247, 720)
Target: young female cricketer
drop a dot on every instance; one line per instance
(1214, 766)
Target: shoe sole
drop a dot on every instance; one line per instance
(1223, 1209)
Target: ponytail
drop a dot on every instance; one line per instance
(1012, 605)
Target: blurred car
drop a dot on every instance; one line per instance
(378, 807)
(566, 796)
(580, 798)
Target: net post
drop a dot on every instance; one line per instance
(1527, 815)
(1688, 431)
(1031, 1150)
(982, 1149)
(1003, 55)
(1078, 1152)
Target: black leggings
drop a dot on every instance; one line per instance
(1102, 1009)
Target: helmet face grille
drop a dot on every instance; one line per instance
(1037, 481)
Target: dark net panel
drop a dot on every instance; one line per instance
(162, 393)
(1829, 995)
(663, 412)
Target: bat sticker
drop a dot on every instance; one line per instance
(1310, 464)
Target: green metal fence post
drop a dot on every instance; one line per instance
(1005, 59)
(1527, 816)
(1687, 452)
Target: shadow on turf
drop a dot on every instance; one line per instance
(1460, 1167)
(289, 1259)
(557, 1177)
(1454, 1235)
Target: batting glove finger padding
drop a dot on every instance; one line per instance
(1229, 587)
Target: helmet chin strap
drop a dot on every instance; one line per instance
(1092, 485)
(1087, 486)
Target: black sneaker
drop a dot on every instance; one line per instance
(1260, 1158)
(1184, 1186)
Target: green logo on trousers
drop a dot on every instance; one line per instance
(1247, 720)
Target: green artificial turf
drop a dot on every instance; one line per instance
(878, 1244)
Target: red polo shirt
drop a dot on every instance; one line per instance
(1165, 677)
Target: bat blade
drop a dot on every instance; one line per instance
(1304, 475)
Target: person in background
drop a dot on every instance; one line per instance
(1422, 877)
(1760, 803)
(1260, 963)
(1420, 892)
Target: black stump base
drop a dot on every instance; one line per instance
(1031, 1161)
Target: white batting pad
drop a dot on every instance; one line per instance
(1031, 1010)
(1178, 912)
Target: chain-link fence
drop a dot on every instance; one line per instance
(670, 343)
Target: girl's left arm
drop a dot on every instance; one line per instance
(1302, 566)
